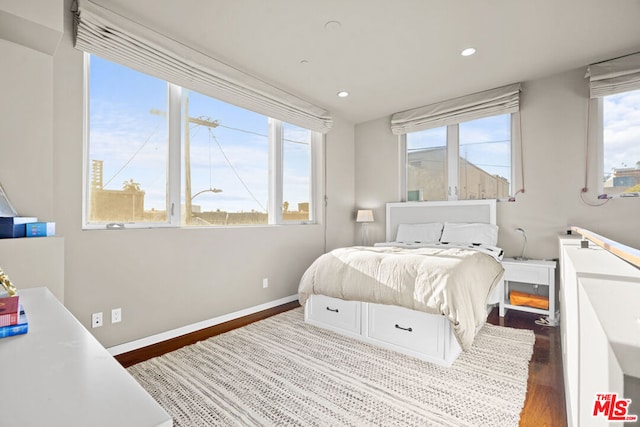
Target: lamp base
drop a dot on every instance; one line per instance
(365, 234)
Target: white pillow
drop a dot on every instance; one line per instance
(419, 233)
(473, 232)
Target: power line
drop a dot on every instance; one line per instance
(485, 142)
(133, 156)
(463, 144)
(262, 135)
(235, 171)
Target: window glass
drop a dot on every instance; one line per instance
(621, 143)
(427, 164)
(161, 155)
(296, 173)
(485, 158)
(228, 161)
(128, 146)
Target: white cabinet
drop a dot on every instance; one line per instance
(530, 272)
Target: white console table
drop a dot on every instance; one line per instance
(58, 374)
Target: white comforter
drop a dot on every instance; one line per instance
(454, 282)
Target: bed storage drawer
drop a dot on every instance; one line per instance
(411, 330)
(334, 313)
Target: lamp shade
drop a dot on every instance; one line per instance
(364, 215)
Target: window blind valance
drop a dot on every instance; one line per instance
(614, 76)
(491, 102)
(114, 37)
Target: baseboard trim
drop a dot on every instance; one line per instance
(176, 338)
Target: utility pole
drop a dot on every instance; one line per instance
(187, 152)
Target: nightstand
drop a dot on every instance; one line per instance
(529, 272)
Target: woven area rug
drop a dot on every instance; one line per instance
(283, 372)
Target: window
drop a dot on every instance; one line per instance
(621, 144)
(128, 149)
(296, 192)
(485, 158)
(469, 160)
(153, 147)
(427, 164)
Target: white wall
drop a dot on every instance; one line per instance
(36, 24)
(161, 278)
(47, 13)
(377, 168)
(554, 112)
(26, 140)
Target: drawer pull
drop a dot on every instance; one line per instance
(404, 329)
(335, 310)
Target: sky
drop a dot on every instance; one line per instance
(128, 132)
(621, 122)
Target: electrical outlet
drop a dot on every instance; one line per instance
(265, 282)
(116, 315)
(96, 320)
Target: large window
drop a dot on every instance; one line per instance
(159, 154)
(469, 160)
(621, 144)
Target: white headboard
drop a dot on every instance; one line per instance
(447, 211)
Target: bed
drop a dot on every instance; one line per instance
(424, 292)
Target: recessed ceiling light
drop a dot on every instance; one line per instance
(343, 94)
(468, 51)
(304, 62)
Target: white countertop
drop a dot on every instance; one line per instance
(58, 374)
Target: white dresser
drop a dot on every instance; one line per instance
(59, 375)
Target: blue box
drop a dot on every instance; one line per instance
(40, 229)
(8, 231)
(14, 226)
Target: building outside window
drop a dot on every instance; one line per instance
(161, 155)
(469, 160)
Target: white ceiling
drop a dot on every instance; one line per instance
(395, 55)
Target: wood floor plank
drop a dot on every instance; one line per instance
(545, 403)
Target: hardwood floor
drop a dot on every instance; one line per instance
(544, 405)
(545, 402)
(140, 355)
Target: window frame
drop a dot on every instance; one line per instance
(174, 168)
(453, 160)
(597, 127)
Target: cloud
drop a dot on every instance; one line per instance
(621, 130)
